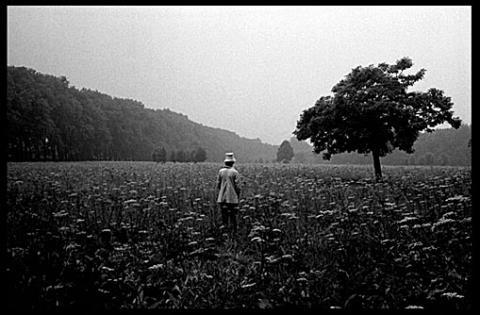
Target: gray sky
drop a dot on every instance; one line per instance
(251, 70)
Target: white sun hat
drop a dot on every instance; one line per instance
(229, 157)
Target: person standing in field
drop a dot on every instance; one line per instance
(228, 192)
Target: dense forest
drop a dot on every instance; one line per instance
(440, 147)
(50, 120)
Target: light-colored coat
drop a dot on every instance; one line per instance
(227, 185)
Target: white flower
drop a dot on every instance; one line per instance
(451, 295)
(248, 285)
(458, 198)
(442, 221)
(407, 219)
(156, 267)
(411, 307)
(257, 239)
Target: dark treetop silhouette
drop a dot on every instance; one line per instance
(285, 152)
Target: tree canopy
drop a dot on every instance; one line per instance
(200, 155)
(159, 155)
(372, 111)
(285, 152)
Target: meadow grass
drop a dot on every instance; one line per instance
(122, 235)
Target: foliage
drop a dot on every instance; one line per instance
(50, 120)
(285, 152)
(180, 156)
(159, 155)
(135, 235)
(372, 111)
(200, 155)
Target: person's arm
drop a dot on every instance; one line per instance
(219, 182)
(236, 186)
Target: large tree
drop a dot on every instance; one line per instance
(285, 152)
(371, 110)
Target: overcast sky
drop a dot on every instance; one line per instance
(251, 70)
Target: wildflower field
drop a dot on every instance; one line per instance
(135, 235)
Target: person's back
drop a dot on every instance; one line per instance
(228, 190)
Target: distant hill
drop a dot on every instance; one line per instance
(441, 147)
(48, 119)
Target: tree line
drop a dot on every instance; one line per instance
(161, 155)
(370, 112)
(442, 147)
(50, 120)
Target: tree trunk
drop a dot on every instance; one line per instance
(376, 164)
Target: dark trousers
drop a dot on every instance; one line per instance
(229, 215)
